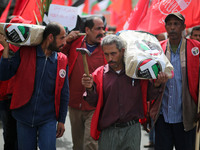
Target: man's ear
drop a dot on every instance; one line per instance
(87, 30)
(50, 37)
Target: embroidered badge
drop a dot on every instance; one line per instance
(62, 73)
(195, 51)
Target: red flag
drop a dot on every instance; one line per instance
(153, 22)
(69, 3)
(5, 13)
(28, 10)
(18, 6)
(58, 2)
(137, 15)
(120, 11)
(88, 5)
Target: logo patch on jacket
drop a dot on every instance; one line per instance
(195, 51)
(62, 73)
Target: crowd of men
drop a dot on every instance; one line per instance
(40, 84)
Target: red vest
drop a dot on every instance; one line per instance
(98, 79)
(25, 78)
(73, 54)
(192, 62)
(6, 86)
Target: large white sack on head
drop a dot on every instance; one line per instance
(22, 34)
(144, 57)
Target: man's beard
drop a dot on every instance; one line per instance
(53, 46)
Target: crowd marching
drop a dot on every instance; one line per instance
(40, 85)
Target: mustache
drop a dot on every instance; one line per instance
(99, 36)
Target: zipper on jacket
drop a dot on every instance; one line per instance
(37, 95)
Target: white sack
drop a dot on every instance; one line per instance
(22, 34)
(144, 57)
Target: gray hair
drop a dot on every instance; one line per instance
(114, 39)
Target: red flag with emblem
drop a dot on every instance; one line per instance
(153, 21)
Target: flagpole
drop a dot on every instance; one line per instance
(36, 18)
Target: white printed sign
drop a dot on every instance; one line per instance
(65, 15)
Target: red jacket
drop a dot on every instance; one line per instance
(73, 54)
(25, 78)
(74, 58)
(6, 87)
(192, 66)
(98, 79)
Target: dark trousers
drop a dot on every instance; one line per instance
(116, 138)
(9, 126)
(169, 135)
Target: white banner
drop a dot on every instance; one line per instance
(65, 15)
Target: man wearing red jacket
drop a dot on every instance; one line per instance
(80, 112)
(174, 112)
(40, 92)
(8, 122)
(119, 99)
